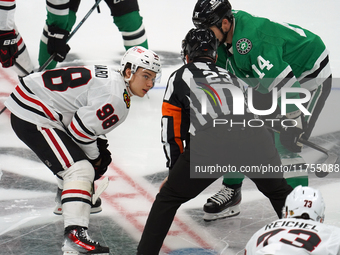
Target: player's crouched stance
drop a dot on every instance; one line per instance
(301, 231)
(60, 115)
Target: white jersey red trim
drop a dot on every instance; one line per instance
(85, 102)
(292, 236)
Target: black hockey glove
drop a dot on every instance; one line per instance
(8, 48)
(56, 43)
(101, 163)
(290, 135)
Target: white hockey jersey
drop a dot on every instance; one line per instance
(295, 237)
(85, 102)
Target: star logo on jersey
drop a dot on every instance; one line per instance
(243, 46)
(127, 99)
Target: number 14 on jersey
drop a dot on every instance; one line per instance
(262, 65)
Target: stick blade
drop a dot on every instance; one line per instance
(100, 189)
(327, 166)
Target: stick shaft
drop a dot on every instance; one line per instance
(3, 109)
(314, 146)
(306, 142)
(21, 68)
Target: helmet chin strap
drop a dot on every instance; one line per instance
(133, 70)
(127, 80)
(127, 83)
(129, 90)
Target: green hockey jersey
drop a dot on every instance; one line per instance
(267, 54)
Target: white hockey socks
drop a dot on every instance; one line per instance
(77, 193)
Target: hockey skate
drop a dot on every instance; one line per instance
(77, 241)
(58, 210)
(225, 203)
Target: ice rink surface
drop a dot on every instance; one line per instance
(27, 187)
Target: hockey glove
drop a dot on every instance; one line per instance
(290, 135)
(101, 163)
(56, 43)
(8, 48)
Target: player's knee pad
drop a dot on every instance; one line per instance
(80, 171)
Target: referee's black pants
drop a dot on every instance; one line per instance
(247, 147)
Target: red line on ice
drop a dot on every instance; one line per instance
(131, 216)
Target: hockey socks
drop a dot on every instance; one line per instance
(132, 29)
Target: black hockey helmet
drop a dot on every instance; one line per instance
(199, 43)
(208, 13)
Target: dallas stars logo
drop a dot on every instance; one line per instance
(243, 46)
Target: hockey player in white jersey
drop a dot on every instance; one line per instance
(13, 51)
(63, 114)
(300, 231)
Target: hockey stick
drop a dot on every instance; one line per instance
(100, 189)
(71, 34)
(21, 68)
(3, 109)
(324, 168)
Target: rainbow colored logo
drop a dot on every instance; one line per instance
(214, 95)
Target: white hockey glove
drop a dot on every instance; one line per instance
(290, 135)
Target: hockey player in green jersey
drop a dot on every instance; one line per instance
(267, 55)
(61, 16)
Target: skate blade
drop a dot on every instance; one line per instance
(67, 250)
(70, 252)
(59, 211)
(227, 213)
(76, 252)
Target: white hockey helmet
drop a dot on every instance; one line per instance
(138, 56)
(305, 200)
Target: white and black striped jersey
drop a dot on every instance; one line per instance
(86, 102)
(295, 236)
(196, 94)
